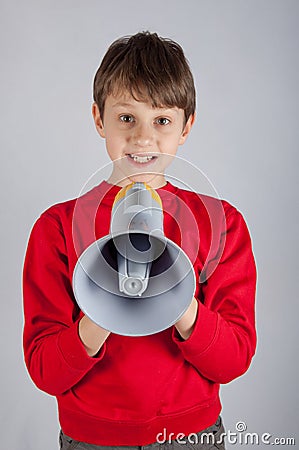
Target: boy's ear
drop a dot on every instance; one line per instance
(187, 128)
(98, 120)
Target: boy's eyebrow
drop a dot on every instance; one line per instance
(130, 105)
(122, 104)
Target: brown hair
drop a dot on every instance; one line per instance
(150, 68)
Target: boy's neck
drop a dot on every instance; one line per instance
(155, 181)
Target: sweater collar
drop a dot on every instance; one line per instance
(108, 191)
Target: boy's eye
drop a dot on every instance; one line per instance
(163, 121)
(126, 118)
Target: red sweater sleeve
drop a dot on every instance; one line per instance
(223, 341)
(54, 354)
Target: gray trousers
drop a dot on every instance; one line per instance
(209, 439)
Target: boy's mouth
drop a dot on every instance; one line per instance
(141, 159)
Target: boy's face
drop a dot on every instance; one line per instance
(140, 140)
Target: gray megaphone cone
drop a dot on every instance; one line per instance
(134, 281)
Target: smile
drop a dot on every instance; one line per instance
(142, 159)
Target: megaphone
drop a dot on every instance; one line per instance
(134, 281)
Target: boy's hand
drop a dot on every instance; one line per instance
(92, 336)
(186, 323)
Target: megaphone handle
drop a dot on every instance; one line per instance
(133, 276)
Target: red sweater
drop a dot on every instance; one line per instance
(138, 386)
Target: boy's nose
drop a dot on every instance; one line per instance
(143, 136)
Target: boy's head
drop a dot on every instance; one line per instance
(144, 106)
(150, 68)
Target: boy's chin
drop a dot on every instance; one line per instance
(123, 174)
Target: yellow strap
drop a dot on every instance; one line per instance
(121, 194)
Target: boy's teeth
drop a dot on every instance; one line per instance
(141, 159)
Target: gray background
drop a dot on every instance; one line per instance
(244, 56)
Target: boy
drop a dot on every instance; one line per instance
(114, 390)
